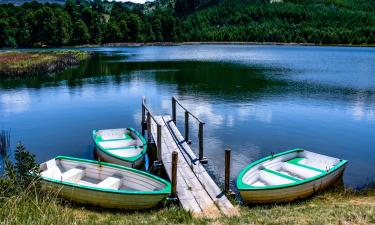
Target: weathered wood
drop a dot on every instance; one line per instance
(227, 169)
(186, 126)
(174, 173)
(158, 143)
(184, 194)
(190, 191)
(143, 110)
(148, 127)
(200, 172)
(200, 140)
(174, 109)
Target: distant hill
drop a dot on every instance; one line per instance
(96, 22)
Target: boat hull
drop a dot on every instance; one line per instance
(104, 199)
(288, 194)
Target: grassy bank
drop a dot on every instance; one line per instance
(14, 63)
(332, 207)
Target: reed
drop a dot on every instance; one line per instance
(15, 64)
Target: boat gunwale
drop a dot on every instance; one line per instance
(165, 191)
(132, 159)
(241, 186)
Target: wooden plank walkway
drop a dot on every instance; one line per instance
(196, 190)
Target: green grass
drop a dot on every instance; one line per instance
(16, 63)
(331, 207)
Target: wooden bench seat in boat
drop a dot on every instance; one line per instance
(72, 175)
(110, 183)
(117, 143)
(298, 171)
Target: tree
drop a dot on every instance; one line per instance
(6, 35)
(80, 33)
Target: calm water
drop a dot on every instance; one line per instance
(254, 99)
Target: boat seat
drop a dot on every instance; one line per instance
(298, 171)
(126, 152)
(73, 175)
(117, 143)
(110, 183)
(273, 179)
(52, 172)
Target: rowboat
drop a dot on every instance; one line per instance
(123, 146)
(288, 176)
(103, 184)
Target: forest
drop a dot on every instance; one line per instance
(81, 22)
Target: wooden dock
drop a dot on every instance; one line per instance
(195, 189)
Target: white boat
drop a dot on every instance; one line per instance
(103, 184)
(288, 176)
(123, 146)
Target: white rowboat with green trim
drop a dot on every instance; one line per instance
(123, 146)
(103, 184)
(287, 176)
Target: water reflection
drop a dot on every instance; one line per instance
(254, 99)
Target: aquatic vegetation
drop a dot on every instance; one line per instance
(16, 63)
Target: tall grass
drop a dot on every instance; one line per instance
(23, 202)
(13, 64)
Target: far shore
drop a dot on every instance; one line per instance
(139, 44)
(136, 44)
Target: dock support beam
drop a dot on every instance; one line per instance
(159, 142)
(202, 159)
(227, 170)
(174, 174)
(174, 109)
(148, 127)
(143, 122)
(187, 126)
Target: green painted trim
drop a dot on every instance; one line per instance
(281, 175)
(127, 159)
(164, 191)
(296, 161)
(242, 186)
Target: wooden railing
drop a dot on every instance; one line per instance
(146, 122)
(187, 114)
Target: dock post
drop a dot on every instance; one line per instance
(227, 169)
(174, 109)
(187, 126)
(143, 110)
(148, 127)
(143, 116)
(174, 174)
(202, 159)
(159, 142)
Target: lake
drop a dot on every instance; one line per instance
(254, 100)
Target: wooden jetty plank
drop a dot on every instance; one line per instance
(190, 192)
(185, 197)
(209, 209)
(200, 172)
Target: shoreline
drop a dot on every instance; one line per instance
(141, 44)
(136, 44)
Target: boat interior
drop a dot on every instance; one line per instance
(121, 142)
(98, 176)
(290, 168)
